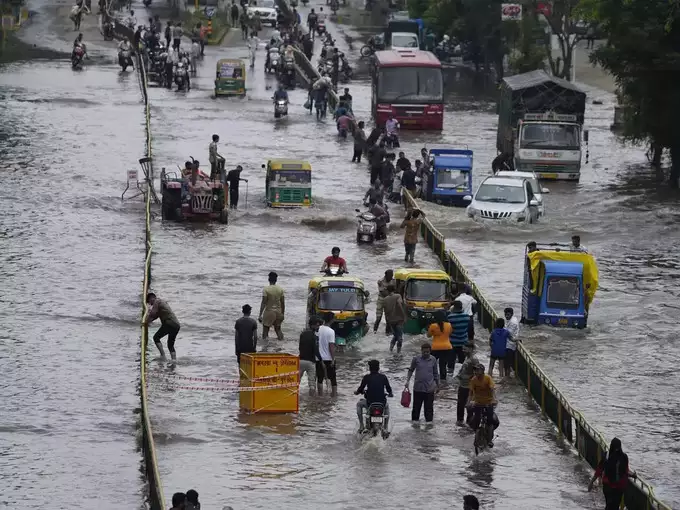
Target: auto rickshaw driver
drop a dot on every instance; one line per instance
(334, 261)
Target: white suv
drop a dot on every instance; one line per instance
(503, 198)
(535, 185)
(267, 11)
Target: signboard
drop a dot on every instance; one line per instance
(544, 8)
(132, 176)
(511, 12)
(339, 289)
(209, 11)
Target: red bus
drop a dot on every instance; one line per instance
(409, 85)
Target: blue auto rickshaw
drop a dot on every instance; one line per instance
(559, 286)
(449, 179)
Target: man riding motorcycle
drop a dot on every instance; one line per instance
(392, 131)
(381, 219)
(482, 399)
(373, 386)
(334, 260)
(79, 50)
(125, 47)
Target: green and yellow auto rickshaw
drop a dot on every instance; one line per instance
(288, 183)
(346, 297)
(230, 78)
(425, 292)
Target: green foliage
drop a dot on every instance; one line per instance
(643, 54)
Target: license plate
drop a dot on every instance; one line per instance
(365, 238)
(376, 419)
(563, 321)
(548, 176)
(410, 121)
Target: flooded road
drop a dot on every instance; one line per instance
(73, 257)
(208, 272)
(71, 262)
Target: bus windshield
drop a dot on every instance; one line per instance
(563, 292)
(427, 290)
(341, 299)
(420, 84)
(291, 176)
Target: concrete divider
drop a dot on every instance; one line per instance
(569, 422)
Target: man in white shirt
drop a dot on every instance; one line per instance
(468, 303)
(576, 244)
(512, 325)
(325, 369)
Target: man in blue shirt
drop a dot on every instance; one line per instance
(460, 322)
(373, 386)
(281, 93)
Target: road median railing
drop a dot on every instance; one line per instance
(156, 499)
(570, 423)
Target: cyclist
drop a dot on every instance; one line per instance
(482, 400)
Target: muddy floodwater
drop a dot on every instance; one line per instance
(72, 263)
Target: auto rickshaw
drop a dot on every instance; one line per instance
(288, 183)
(425, 292)
(346, 297)
(559, 286)
(230, 78)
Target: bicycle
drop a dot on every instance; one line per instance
(484, 432)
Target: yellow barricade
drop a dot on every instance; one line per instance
(261, 370)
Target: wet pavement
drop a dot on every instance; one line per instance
(75, 278)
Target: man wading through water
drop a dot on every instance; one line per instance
(309, 352)
(246, 334)
(325, 369)
(159, 309)
(382, 294)
(395, 315)
(272, 308)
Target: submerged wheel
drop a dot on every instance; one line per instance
(224, 216)
(366, 51)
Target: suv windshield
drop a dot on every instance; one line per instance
(427, 290)
(422, 84)
(267, 4)
(341, 298)
(550, 136)
(502, 194)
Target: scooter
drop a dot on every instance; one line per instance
(124, 59)
(280, 108)
(392, 140)
(334, 270)
(367, 227)
(181, 77)
(77, 58)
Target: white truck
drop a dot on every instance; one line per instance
(540, 125)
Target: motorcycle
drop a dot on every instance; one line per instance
(346, 71)
(289, 74)
(77, 58)
(367, 227)
(280, 107)
(274, 59)
(392, 140)
(124, 59)
(375, 421)
(181, 77)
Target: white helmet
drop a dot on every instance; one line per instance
(446, 38)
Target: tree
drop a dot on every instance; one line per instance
(562, 19)
(643, 54)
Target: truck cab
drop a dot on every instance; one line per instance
(540, 124)
(403, 34)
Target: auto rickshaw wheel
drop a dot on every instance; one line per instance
(224, 216)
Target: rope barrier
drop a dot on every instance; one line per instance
(220, 381)
(532, 365)
(236, 389)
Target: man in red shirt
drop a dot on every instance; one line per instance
(334, 260)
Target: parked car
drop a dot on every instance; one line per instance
(535, 186)
(504, 198)
(267, 11)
